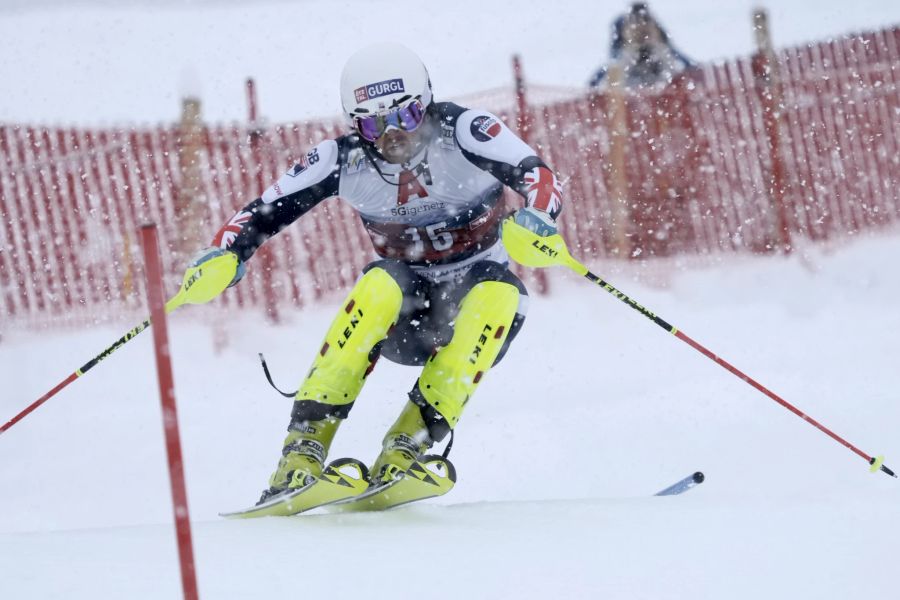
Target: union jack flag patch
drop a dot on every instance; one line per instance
(543, 191)
(230, 230)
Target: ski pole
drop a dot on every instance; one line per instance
(201, 284)
(531, 250)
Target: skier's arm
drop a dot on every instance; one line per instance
(313, 179)
(489, 144)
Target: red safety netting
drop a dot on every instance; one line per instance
(729, 158)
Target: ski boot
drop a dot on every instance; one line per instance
(404, 442)
(303, 456)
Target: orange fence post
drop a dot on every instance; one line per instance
(765, 70)
(267, 257)
(190, 196)
(619, 139)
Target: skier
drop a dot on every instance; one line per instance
(426, 178)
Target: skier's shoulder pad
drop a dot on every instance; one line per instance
(316, 168)
(483, 134)
(449, 112)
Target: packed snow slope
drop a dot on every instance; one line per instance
(593, 410)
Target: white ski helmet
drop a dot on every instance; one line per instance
(383, 77)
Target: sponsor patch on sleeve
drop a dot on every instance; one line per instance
(311, 158)
(447, 138)
(485, 128)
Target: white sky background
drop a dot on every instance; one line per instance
(131, 61)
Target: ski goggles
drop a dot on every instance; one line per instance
(406, 118)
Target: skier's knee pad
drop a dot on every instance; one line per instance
(402, 274)
(451, 376)
(350, 349)
(487, 270)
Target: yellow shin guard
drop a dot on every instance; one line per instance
(345, 359)
(451, 376)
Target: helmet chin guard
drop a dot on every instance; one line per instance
(381, 78)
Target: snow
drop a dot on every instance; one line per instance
(593, 410)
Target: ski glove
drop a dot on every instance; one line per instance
(201, 256)
(536, 221)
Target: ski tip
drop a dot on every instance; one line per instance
(684, 485)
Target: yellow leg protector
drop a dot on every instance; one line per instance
(344, 361)
(450, 377)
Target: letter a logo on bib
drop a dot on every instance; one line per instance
(409, 187)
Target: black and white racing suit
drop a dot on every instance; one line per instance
(433, 220)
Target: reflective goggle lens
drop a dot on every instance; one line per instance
(407, 118)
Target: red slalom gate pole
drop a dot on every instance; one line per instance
(156, 296)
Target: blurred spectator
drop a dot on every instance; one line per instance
(642, 47)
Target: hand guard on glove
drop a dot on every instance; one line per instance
(536, 221)
(206, 254)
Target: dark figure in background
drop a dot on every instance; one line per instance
(642, 47)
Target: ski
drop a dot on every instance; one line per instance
(429, 477)
(340, 480)
(689, 482)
